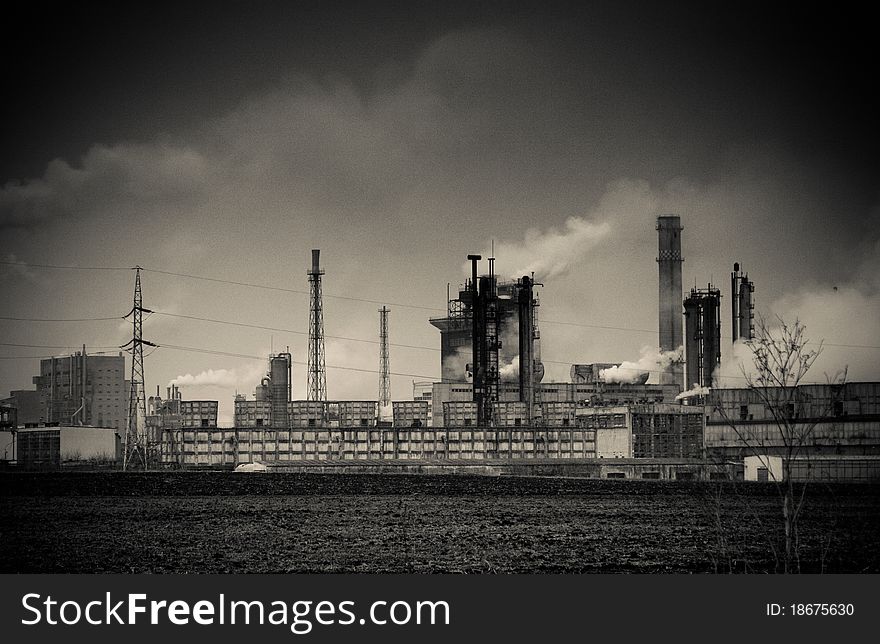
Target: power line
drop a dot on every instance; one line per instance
(17, 319)
(53, 346)
(372, 372)
(71, 268)
(305, 292)
(282, 330)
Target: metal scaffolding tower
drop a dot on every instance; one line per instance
(137, 442)
(317, 376)
(384, 372)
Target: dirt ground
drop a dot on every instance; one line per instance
(205, 522)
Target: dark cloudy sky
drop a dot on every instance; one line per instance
(229, 141)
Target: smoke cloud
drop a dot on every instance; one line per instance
(697, 390)
(457, 363)
(211, 377)
(651, 362)
(550, 253)
(510, 371)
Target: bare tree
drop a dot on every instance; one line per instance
(782, 356)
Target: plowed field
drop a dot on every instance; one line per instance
(227, 522)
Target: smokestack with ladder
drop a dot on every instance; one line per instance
(669, 262)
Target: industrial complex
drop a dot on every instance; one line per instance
(490, 411)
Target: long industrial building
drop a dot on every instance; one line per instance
(491, 405)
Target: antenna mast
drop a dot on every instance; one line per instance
(384, 372)
(317, 376)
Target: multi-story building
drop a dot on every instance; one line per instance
(83, 389)
(27, 406)
(830, 419)
(582, 394)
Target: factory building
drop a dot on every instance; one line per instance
(424, 391)
(824, 468)
(83, 389)
(702, 314)
(174, 412)
(52, 447)
(841, 419)
(582, 394)
(645, 431)
(410, 413)
(27, 406)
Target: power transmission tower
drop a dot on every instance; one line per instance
(137, 443)
(384, 373)
(317, 377)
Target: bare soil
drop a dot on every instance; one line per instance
(205, 522)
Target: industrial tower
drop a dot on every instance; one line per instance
(669, 264)
(137, 442)
(702, 314)
(317, 376)
(384, 373)
(742, 306)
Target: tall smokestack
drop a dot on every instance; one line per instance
(669, 262)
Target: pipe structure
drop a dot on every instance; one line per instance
(478, 337)
(526, 345)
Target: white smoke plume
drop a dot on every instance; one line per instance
(737, 362)
(510, 371)
(457, 363)
(218, 378)
(697, 390)
(652, 362)
(549, 253)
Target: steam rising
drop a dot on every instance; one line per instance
(510, 371)
(550, 253)
(218, 378)
(457, 363)
(652, 362)
(696, 391)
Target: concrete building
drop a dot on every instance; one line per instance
(83, 389)
(828, 468)
(27, 406)
(50, 447)
(174, 412)
(826, 419)
(645, 431)
(596, 394)
(424, 391)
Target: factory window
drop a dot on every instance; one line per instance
(650, 475)
(204, 422)
(259, 422)
(615, 475)
(565, 422)
(467, 422)
(311, 422)
(517, 422)
(363, 422)
(743, 412)
(684, 476)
